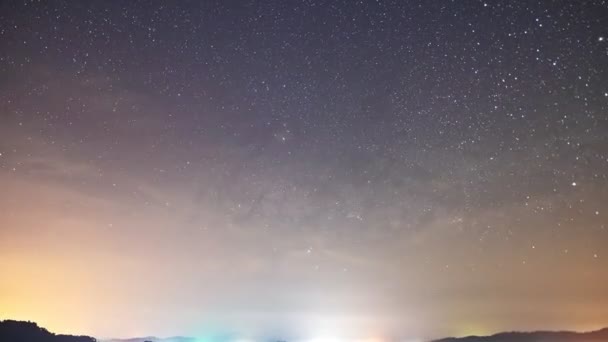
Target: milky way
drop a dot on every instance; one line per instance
(299, 169)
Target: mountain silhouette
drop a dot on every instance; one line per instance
(21, 331)
(18, 331)
(536, 336)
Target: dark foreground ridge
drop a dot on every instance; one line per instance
(537, 336)
(18, 331)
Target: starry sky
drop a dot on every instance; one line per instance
(304, 169)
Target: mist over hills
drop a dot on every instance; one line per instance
(537, 336)
(152, 339)
(22, 331)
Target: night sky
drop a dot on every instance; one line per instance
(304, 169)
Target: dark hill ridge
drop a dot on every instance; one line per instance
(537, 336)
(18, 331)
